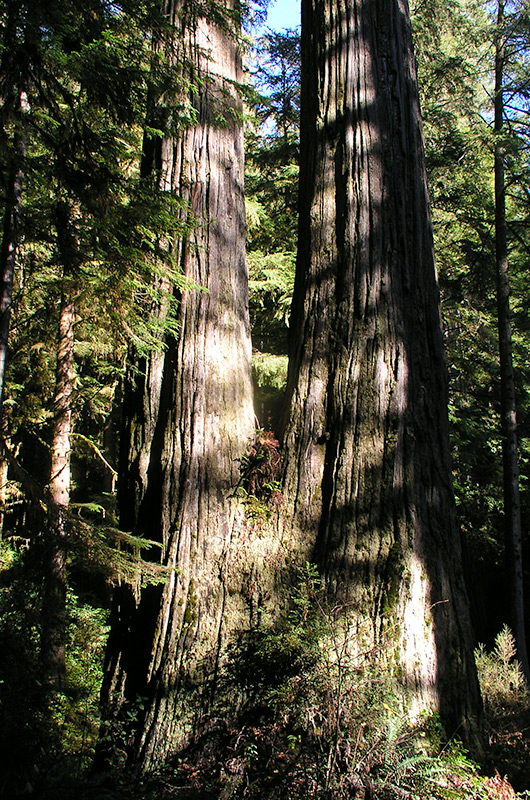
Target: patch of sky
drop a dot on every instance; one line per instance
(283, 14)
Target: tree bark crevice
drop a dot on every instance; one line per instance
(181, 460)
(367, 381)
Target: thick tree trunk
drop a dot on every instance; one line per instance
(189, 421)
(512, 502)
(368, 476)
(53, 627)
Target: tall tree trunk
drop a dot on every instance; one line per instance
(10, 238)
(189, 420)
(53, 612)
(4, 494)
(53, 627)
(512, 502)
(14, 107)
(368, 475)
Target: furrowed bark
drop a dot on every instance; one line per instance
(368, 474)
(189, 421)
(54, 540)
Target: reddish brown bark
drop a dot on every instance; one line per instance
(53, 628)
(368, 476)
(189, 421)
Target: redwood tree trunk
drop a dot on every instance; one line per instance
(512, 502)
(189, 420)
(368, 476)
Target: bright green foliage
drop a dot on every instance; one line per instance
(76, 712)
(506, 702)
(501, 679)
(94, 227)
(270, 289)
(318, 722)
(271, 181)
(450, 49)
(55, 735)
(269, 372)
(516, 103)
(97, 548)
(272, 138)
(270, 369)
(88, 77)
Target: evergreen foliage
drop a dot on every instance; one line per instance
(271, 183)
(45, 740)
(455, 66)
(93, 229)
(272, 144)
(506, 703)
(77, 83)
(90, 74)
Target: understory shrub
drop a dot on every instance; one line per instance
(502, 682)
(45, 737)
(506, 709)
(320, 718)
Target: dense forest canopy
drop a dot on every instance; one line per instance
(265, 399)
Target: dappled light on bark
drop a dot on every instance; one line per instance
(189, 422)
(366, 436)
(367, 485)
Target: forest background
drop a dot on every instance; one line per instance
(86, 241)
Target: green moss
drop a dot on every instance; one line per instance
(190, 614)
(394, 573)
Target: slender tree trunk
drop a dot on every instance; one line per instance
(3, 493)
(53, 613)
(368, 475)
(189, 420)
(14, 108)
(10, 242)
(53, 628)
(512, 502)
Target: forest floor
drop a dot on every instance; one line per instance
(267, 758)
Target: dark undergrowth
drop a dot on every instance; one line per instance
(317, 718)
(321, 720)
